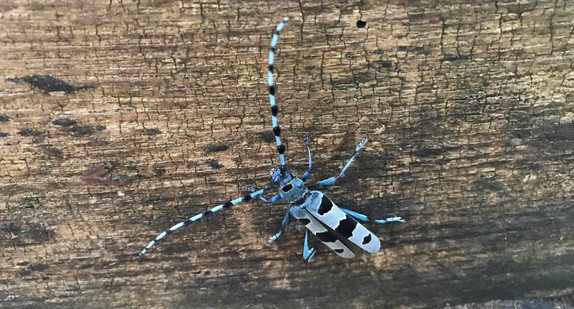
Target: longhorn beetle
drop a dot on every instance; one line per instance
(334, 226)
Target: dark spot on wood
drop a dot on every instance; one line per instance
(97, 142)
(37, 266)
(309, 67)
(29, 132)
(30, 202)
(559, 132)
(378, 52)
(361, 24)
(100, 128)
(3, 134)
(305, 221)
(51, 151)
(151, 132)
(326, 206)
(281, 149)
(64, 122)
(427, 151)
(451, 57)
(158, 171)
(385, 63)
(82, 130)
(367, 239)
(267, 137)
(411, 49)
(4, 118)
(346, 227)
(348, 55)
(47, 83)
(327, 237)
(215, 147)
(32, 234)
(487, 184)
(214, 164)
(100, 174)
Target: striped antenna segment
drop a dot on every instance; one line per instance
(274, 109)
(226, 205)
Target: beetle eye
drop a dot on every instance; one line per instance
(287, 187)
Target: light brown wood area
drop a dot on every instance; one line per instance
(468, 105)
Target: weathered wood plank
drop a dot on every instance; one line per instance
(468, 107)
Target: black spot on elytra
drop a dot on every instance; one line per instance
(274, 110)
(281, 149)
(64, 122)
(271, 67)
(47, 83)
(361, 24)
(305, 221)
(267, 137)
(287, 187)
(246, 198)
(151, 132)
(227, 204)
(272, 90)
(367, 239)
(326, 206)
(326, 237)
(214, 164)
(4, 118)
(215, 147)
(100, 128)
(339, 250)
(346, 227)
(29, 132)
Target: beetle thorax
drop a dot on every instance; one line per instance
(290, 188)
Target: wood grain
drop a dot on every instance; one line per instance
(468, 106)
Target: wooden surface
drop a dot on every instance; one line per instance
(468, 106)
